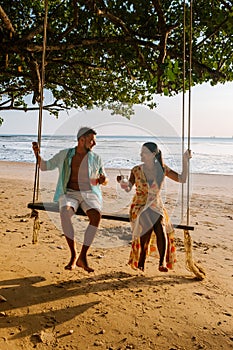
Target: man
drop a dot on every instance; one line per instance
(77, 186)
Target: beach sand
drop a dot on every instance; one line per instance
(43, 306)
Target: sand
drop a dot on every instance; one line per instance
(44, 306)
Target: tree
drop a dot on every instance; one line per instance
(109, 54)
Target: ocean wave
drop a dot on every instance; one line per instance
(210, 155)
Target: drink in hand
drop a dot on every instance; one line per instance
(94, 178)
(124, 182)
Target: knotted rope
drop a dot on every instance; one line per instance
(190, 264)
(35, 213)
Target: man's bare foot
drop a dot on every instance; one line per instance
(84, 265)
(72, 264)
(69, 267)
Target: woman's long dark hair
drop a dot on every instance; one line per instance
(152, 147)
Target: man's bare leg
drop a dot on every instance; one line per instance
(66, 214)
(73, 259)
(82, 259)
(94, 217)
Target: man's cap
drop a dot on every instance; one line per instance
(84, 131)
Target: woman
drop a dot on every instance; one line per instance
(150, 222)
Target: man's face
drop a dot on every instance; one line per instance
(89, 142)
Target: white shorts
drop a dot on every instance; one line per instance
(86, 200)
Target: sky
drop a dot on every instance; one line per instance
(211, 115)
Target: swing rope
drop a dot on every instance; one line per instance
(183, 99)
(190, 264)
(35, 213)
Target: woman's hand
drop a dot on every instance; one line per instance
(124, 182)
(187, 155)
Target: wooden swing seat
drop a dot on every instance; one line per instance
(53, 207)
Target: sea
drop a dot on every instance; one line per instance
(210, 155)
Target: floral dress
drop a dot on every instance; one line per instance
(149, 197)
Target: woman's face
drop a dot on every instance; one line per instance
(146, 155)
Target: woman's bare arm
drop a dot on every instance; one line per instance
(173, 175)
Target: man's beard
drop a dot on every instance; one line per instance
(88, 149)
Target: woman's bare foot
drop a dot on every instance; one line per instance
(83, 263)
(141, 267)
(163, 269)
(141, 261)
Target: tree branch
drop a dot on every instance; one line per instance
(74, 24)
(164, 31)
(79, 43)
(29, 36)
(6, 21)
(105, 13)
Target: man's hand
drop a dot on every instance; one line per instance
(41, 162)
(36, 148)
(102, 179)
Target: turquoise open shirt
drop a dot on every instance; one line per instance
(62, 160)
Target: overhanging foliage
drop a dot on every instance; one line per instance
(109, 53)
